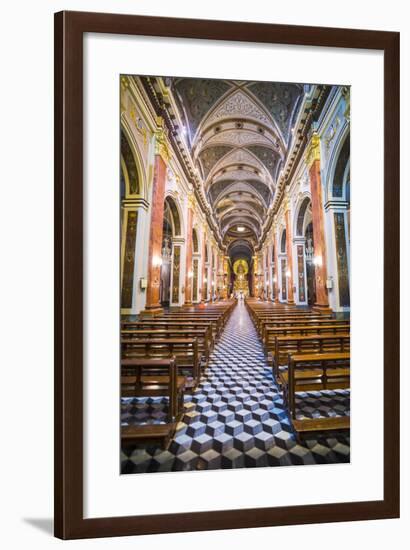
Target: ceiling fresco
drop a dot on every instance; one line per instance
(239, 135)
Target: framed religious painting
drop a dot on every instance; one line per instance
(227, 275)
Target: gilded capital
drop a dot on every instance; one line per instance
(312, 150)
(161, 143)
(286, 202)
(191, 201)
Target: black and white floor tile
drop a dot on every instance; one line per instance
(236, 418)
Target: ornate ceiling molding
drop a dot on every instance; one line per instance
(197, 96)
(279, 99)
(240, 138)
(237, 105)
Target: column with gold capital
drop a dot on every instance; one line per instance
(312, 158)
(188, 263)
(152, 305)
(289, 252)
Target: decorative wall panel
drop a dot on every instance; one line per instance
(283, 281)
(273, 282)
(301, 273)
(175, 274)
(195, 281)
(342, 265)
(129, 260)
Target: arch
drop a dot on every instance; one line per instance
(336, 170)
(173, 206)
(195, 242)
(346, 182)
(128, 140)
(283, 242)
(340, 169)
(300, 218)
(129, 167)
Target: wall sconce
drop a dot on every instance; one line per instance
(190, 274)
(205, 280)
(156, 261)
(288, 273)
(274, 279)
(213, 283)
(317, 260)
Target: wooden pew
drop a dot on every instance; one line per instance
(148, 378)
(184, 350)
(195, 316)
(293, 320)
(272, 332)
(181, 318)
(170, 325)
(315, 372)
(311, 344)
(299, 323)
(204, 336)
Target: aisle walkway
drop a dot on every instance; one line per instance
(236, 418)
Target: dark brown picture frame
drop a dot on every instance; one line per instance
(69, 30)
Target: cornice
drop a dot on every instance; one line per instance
(311, 111)
(162, 106)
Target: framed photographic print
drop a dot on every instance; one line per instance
(226, 241)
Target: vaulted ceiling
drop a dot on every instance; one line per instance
(239, 135)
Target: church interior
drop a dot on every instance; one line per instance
(235, 268)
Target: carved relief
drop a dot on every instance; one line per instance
(239, 138)
(238, 105)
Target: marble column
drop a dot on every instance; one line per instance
(276, 278)
(152, 305)
(289, 255)
(318, 222)
(188, 264)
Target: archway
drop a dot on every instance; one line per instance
(171, 255)
(129, 185)
(340, 186)
(305, 253)
(310, 266)
(167, 234)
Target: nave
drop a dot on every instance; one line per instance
(237, 416)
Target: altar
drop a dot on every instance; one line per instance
(241, 286)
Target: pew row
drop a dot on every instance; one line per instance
(315, 372)
(151, 378)
(183, 350)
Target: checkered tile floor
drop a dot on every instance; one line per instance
(236, 418)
